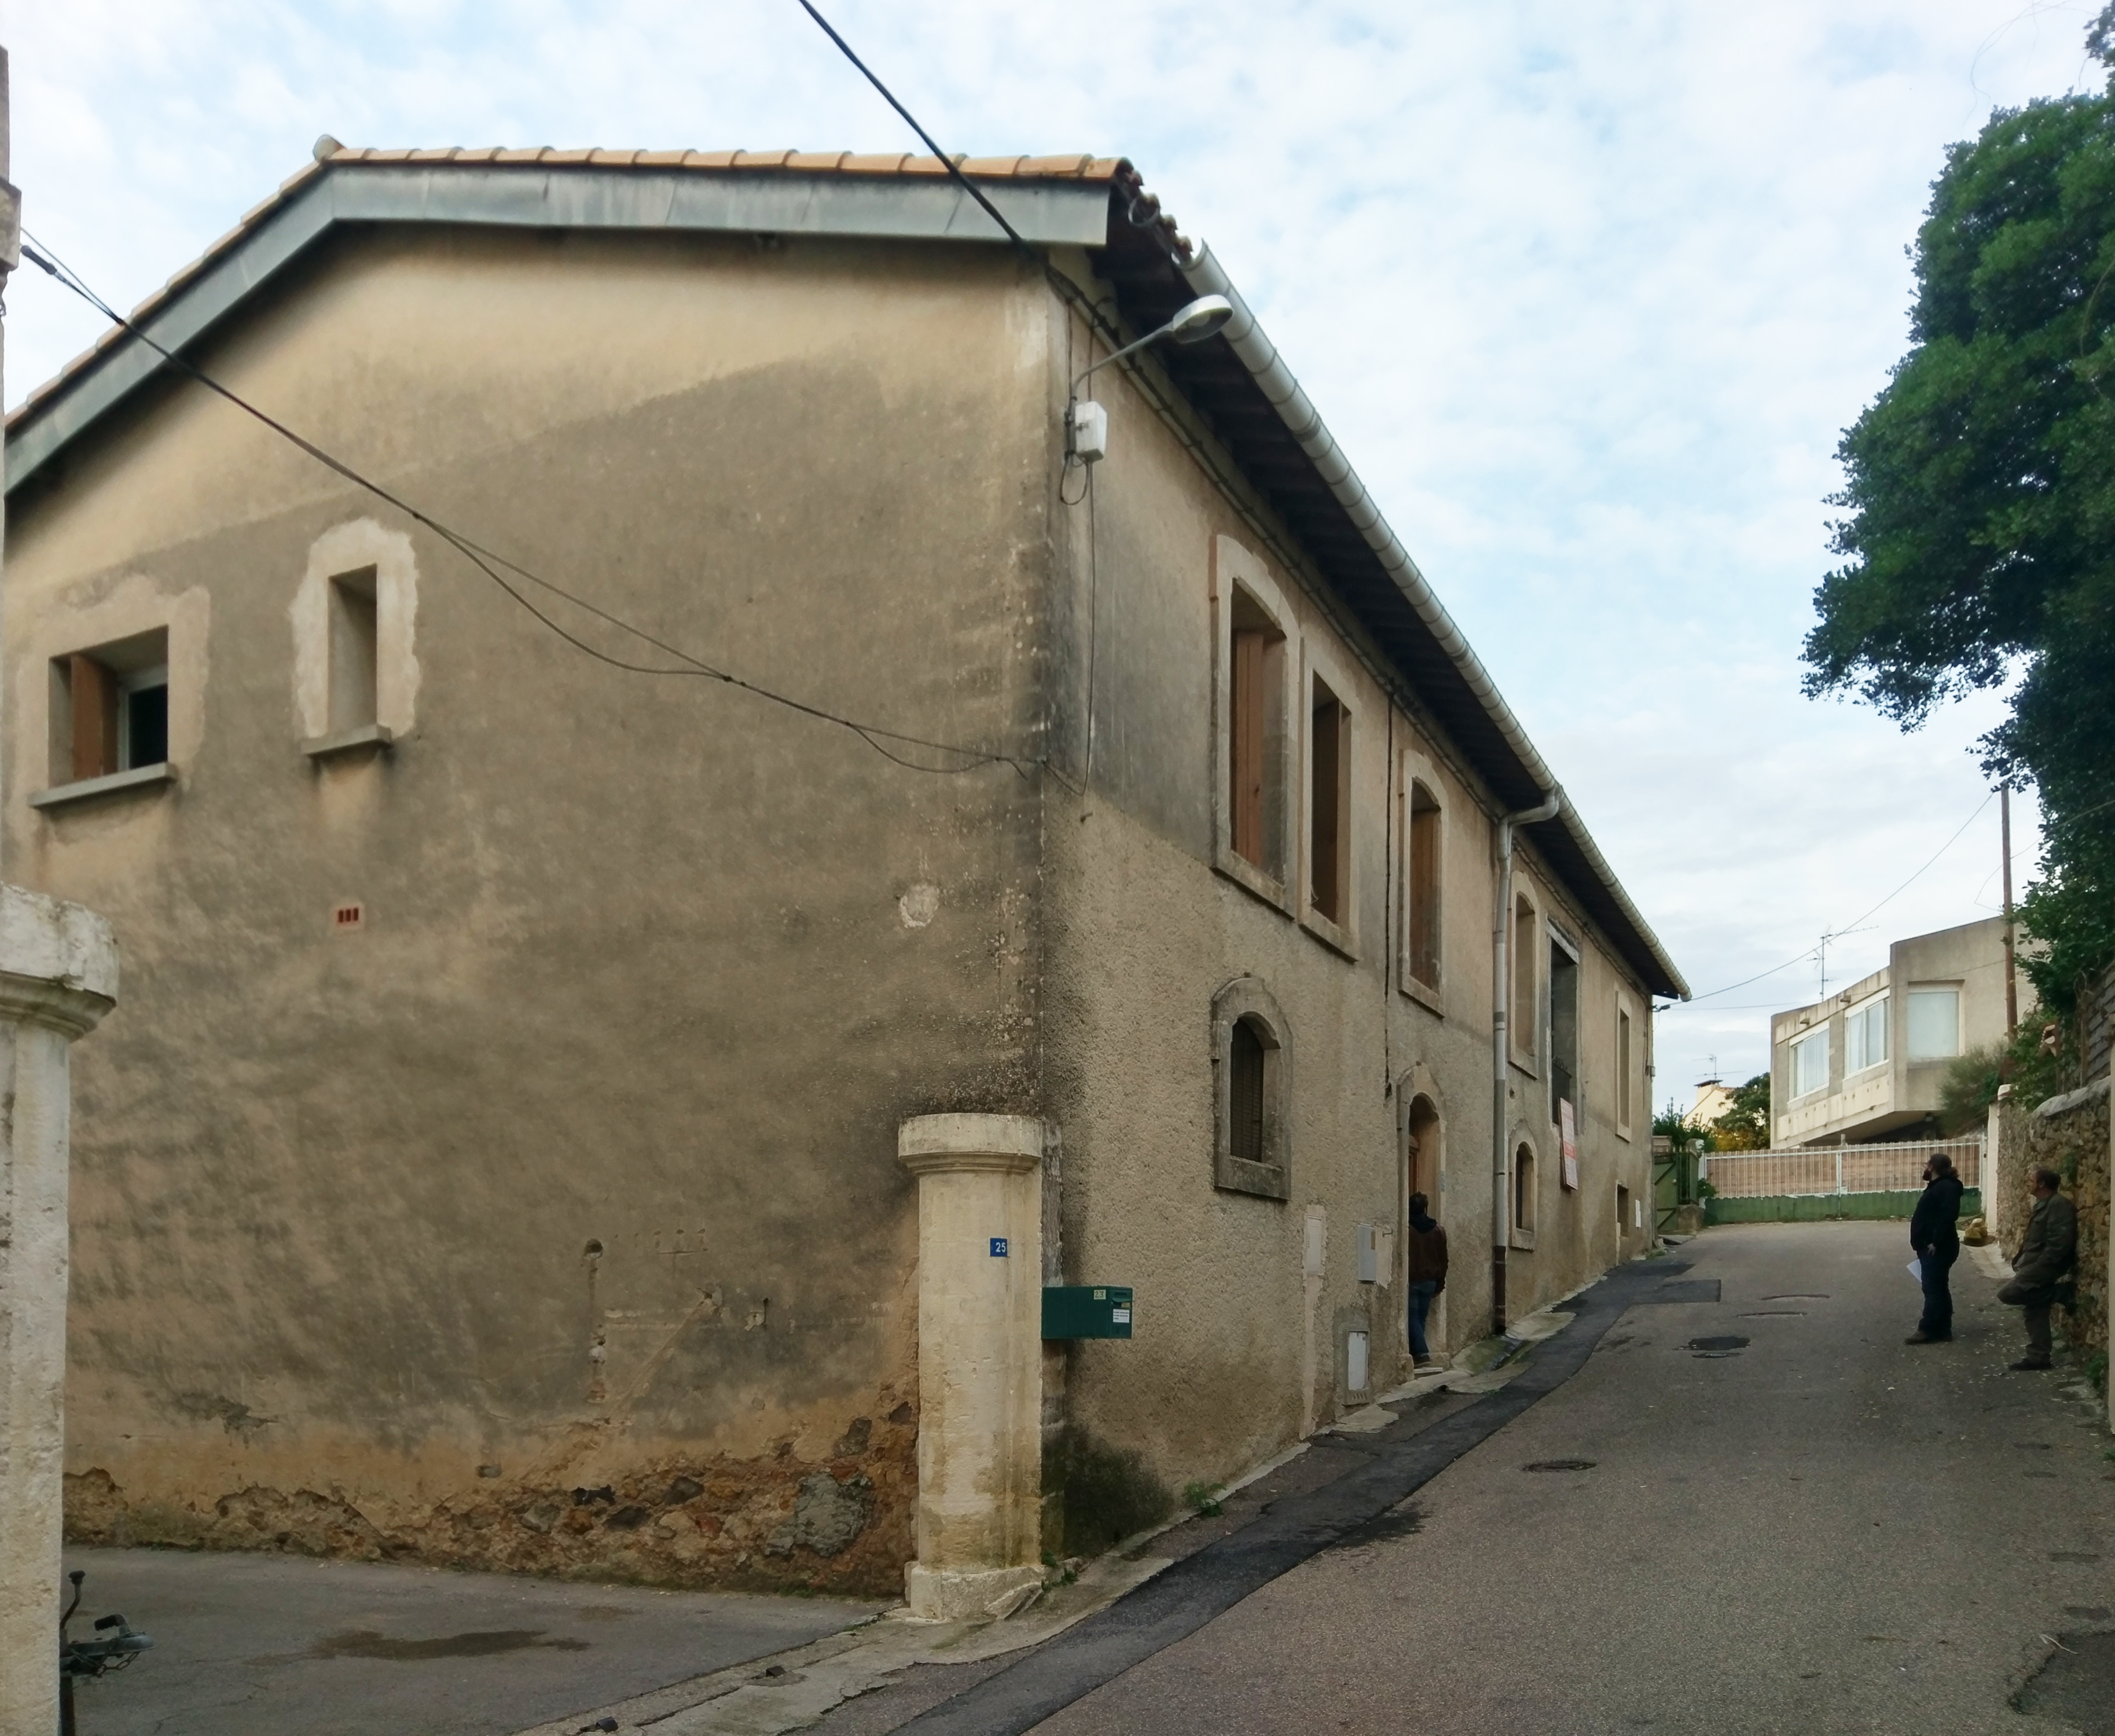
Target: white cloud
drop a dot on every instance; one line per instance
(1588, 290)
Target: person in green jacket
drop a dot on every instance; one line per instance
(2047, 1253)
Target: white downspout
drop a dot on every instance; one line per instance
(1501, 928)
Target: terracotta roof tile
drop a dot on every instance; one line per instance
(614, 159)
(761, 159)
(710, 159)
(888, 163)
(661, 159)
(581, 155)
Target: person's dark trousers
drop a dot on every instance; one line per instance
(1421, 1294)
(2040, 1348)
(1937, 1271)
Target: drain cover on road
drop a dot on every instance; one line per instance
(1725, 1344)
(1800, 1296)
(1560, 1464)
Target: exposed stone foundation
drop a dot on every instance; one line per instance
(770, 1523)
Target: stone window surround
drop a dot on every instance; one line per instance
(1317, 662)
(1233, 566)
(355, 546)
(1246, 998)
(133, 607)
(1519, 1236)
(1412, 768)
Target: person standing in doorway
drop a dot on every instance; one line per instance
(2047, 1253)
(1425, 1266)
(1934, 1236)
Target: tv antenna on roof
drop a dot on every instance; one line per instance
(1822, 952)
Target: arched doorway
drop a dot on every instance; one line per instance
(1423, 1169)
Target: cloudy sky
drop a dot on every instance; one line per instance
(1588, 291)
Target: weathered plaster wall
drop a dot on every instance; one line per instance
(1237, 1348)
(551, 1219)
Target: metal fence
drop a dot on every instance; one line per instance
(1838, 1169)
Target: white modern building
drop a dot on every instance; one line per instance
(1868, 1062)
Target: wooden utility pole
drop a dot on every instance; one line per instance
(2005, 844)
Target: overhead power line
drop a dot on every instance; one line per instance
(1801, 957)
(886, 742)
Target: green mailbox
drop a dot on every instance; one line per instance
(1086, 1311)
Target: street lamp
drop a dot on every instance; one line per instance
(1087, 425)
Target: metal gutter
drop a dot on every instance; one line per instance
(1245, 337)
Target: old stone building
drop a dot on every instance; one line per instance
(501, 1156)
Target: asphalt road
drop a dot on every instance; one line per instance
(1816, 1530)
(1826, 1531)
(254, 1645)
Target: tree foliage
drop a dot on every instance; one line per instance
(1746, 1125)
(1979, 547)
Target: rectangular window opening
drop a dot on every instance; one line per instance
(353, 628)
(110, 709)
(1622, 1067)
(1256, 731)
(1934, 1024)
(1328, 806)
(1564, 1031)
(1523, 1189)
(1622, 1207)
(1421, 920)
(1809, 1063)
(1866, 1036)
(1523, 1021)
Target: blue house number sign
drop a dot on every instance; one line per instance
(999, 1247)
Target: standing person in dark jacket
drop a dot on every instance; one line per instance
(1938, 1244)
(2048, 1251)
(1424, 1270)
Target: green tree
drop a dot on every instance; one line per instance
(1746, 1125)
(1979, 544)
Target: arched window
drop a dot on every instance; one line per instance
(1244, 1105)
(1252, 1081)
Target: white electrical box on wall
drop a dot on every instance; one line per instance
(1356, 1376)
(1087, 439)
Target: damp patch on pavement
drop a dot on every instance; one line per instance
(2076, 1685)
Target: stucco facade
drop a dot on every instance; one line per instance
(495, 1159)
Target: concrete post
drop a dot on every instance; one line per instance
(979, 1361)
(58, 976)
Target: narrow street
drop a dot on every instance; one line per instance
(1788, 1521)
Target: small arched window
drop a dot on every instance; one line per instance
(1244, 1092)
(1524, 1197)
(1252, 1081)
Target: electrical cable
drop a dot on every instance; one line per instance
(1847, 926)
(488, 562)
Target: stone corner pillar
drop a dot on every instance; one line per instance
(58, 976)
(979, 1361)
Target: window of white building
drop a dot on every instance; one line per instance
(1809, 1063)
(1934, 1024)
(1866, 1036)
